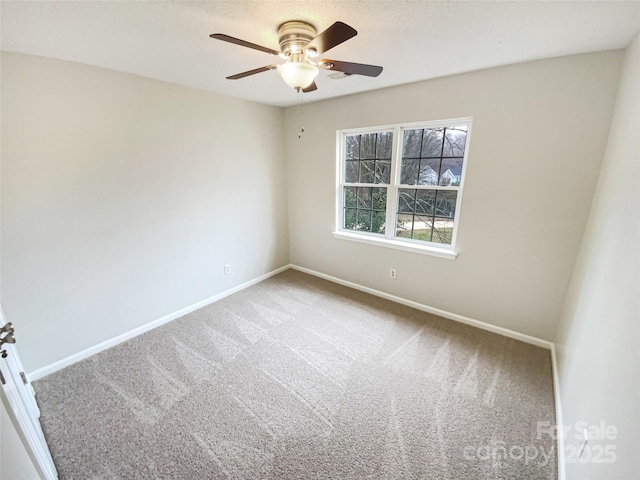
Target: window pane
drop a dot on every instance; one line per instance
(383, 171)
(406, 200)
(384, 146)
(425, 201)
(350, 218)
(365, 209)
(350, 197)
(446, 203)
(451, 171)
(422, 228)
(367, 171)
(411, 143)
(364, 220)
(433, 156)
(404, 225)
(379, 198)
(378, 222)
(432, 142)
(455, 139)
(368, 145)
(418, 227)
(409, 171)
(352, 171)
(426, 215)
(364, 198)
(353, 147)
(442, 230)
(368, 158)
(429, 169)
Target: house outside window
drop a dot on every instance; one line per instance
(401, 186)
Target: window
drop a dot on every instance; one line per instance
(401, 186)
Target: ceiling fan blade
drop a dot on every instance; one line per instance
(310, 88)
(351, 68)
(334, 35)
(243, 43)
(252, 72)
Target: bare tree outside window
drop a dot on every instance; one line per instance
(368, 168)
(411, 194)
(431, 158)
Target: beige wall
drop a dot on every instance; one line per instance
(597, 341)
(539, 134)
(123, 198)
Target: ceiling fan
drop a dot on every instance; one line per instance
(299, 45)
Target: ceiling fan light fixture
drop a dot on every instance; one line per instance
(298, 75)
(300, 43)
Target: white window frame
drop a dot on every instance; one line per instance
(389, 239)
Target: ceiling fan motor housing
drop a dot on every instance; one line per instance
(294, 36)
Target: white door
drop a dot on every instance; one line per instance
(20, 403)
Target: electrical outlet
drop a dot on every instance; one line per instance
(227, 269)
(392, 273)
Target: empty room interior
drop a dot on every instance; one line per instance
(401, 241)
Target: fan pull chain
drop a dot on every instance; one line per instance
(300, 127)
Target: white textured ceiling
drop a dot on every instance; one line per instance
(412, 40)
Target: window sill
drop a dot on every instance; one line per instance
(396, 244)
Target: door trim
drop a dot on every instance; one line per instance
(19, 401)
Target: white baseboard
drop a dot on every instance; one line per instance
(76, 357)
(436, 311)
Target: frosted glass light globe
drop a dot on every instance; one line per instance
(298, 74)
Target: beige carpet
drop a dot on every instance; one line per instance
(299, 378)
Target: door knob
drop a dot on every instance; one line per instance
(6, 330)
(8, 338)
